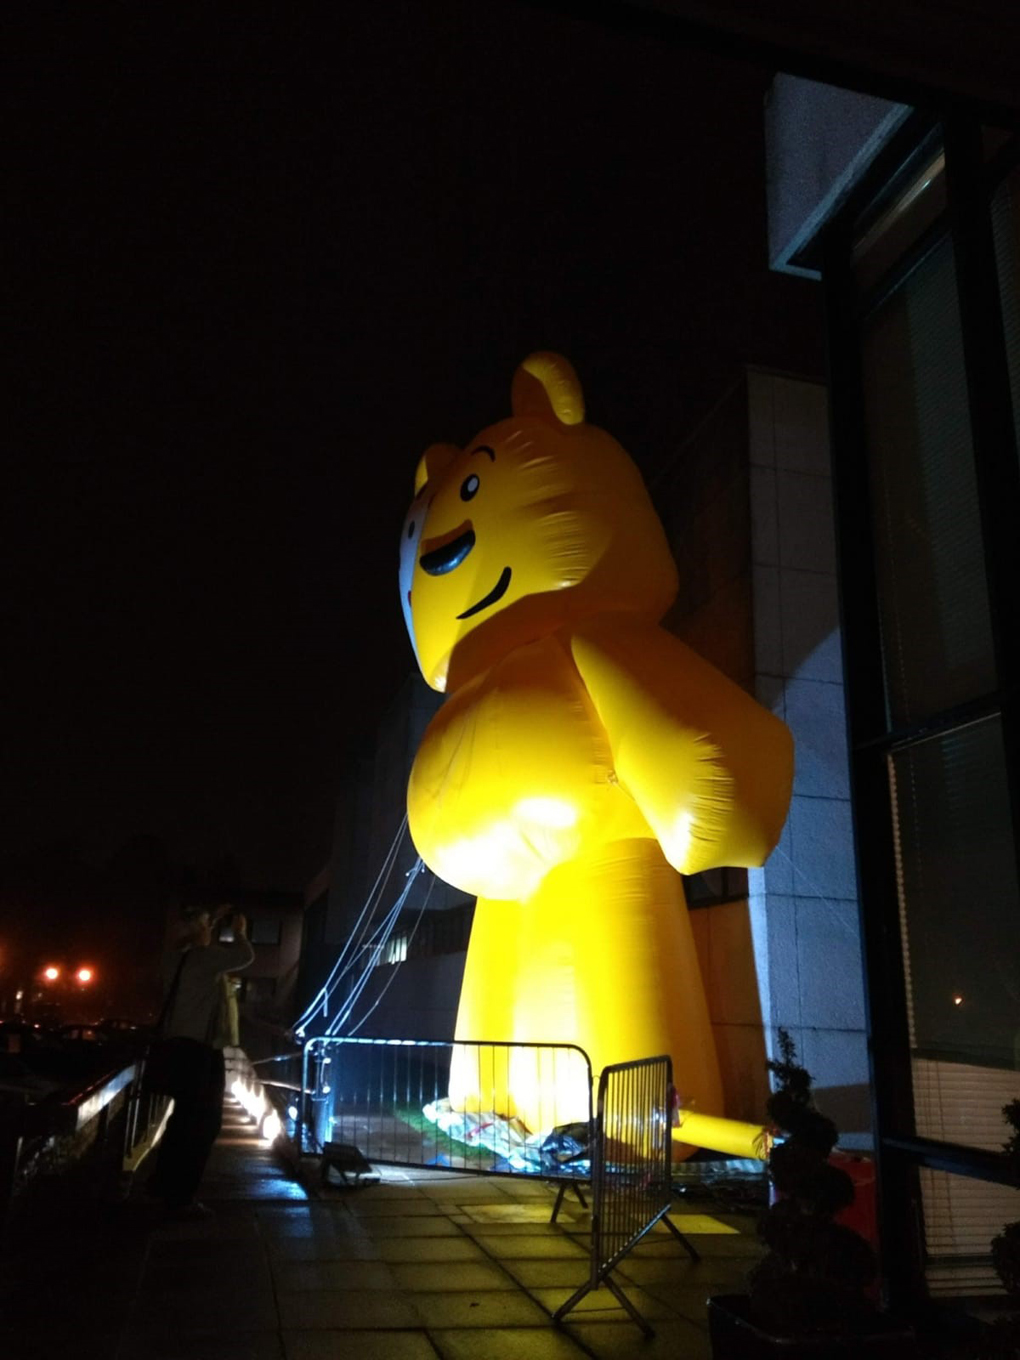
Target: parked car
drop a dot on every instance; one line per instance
(78, 1034)
(19, 1036)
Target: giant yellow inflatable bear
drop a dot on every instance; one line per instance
(583, 755)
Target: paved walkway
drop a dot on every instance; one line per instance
(422, 1265)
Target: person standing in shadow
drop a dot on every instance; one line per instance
(197, 1029)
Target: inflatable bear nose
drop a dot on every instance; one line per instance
(441, 560)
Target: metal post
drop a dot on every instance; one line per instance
(12, 1133)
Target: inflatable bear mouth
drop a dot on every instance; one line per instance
(446, 558)
(496, 593)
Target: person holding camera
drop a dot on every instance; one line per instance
(196, 1029)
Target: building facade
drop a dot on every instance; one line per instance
(911, 221)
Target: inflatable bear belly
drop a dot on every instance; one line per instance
(514, 777)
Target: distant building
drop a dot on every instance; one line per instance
(268, 987)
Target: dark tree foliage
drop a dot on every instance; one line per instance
(816, 1272)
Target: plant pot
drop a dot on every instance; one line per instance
(736, 1337)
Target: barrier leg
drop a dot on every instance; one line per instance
(617, 1293)
(559, 1200)
(623, 1300)
(564, 1186)
(686, 1242)
(574, 1300)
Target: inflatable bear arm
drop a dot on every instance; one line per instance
(709, 768)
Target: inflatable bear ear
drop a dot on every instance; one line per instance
(546, 385)
(434, 461)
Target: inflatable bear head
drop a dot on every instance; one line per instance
(540, 521)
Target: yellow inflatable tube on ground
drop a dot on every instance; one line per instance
(732, 1136)
(583, 755)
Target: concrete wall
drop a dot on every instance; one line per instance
(748, 510)
(819, 140)
(416, 999)
(704, 501)
(803, 904)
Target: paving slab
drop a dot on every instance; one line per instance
(337, 1309)
(622, 1341)
(479, 1308)
(380, 1345)
(421, 1266)
(414, 1249)
(512, 1247)
(452, 1276)
(439, 1226)
(295, 1277)
(243, 1346)
(601, 1305)
(312, 1247)
(567, 1272)
(505, 1343)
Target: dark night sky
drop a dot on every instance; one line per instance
(261, 257)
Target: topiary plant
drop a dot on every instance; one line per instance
(815, 1274)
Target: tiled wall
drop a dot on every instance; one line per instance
(803, 904)
(705, 506)
(702, 499)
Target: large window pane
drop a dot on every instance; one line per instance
(961, 1216)
(910, 214)
(935, 625)
(1006, 222)
(958, 896)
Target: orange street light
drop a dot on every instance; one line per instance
(51, 974)
(84, 975)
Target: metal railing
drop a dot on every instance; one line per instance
(389, 1101)
(96, 1131)
(145, 1119)
(92, 1137)
(632, 1172)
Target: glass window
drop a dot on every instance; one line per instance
(959, 902)
(396, 950)
(905, 219)
(936, 634)
(961, 1216)
(1006, 225)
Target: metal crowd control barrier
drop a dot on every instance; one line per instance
(632, 1168)
(386, 1101)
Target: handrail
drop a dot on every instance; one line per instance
(59, 1112)
(28, 1125)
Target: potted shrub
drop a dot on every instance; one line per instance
(808, 1296)
(1001, 1341)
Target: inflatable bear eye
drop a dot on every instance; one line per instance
(469, 487)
